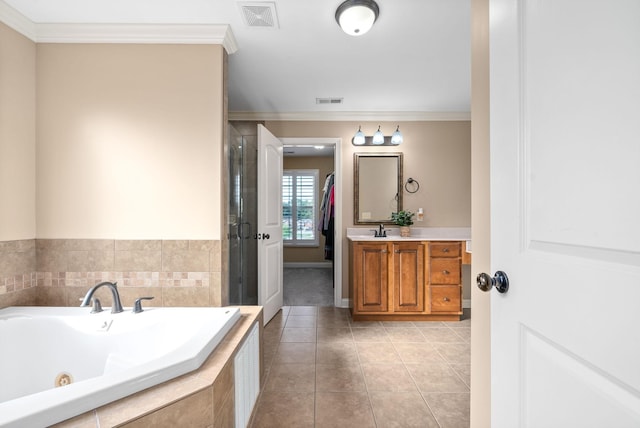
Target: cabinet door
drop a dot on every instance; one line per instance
(371, 270)
(408, 277)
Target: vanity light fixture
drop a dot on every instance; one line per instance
(378, 139)
(356, 17)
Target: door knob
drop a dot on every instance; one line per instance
(499, 280)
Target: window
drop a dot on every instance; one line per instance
(299, 207)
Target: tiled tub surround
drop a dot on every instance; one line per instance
(202, 398)
(58, 272)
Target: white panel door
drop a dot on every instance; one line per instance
(565, 212)
(270, 289)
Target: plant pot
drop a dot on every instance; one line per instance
(405, 231)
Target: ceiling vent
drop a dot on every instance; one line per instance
(259, 14)
(329, 100)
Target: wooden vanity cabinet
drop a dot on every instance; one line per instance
(445, 277)
(370, 271)
(410, 280)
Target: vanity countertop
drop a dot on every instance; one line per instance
(417, 234)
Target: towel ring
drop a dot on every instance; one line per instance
(414, 184)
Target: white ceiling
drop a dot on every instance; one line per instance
(413, 64)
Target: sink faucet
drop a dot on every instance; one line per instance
(117, 306)
(380, 233)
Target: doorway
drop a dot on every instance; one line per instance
(308, 225)
(330, 271)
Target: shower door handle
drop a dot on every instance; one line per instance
(241, 234)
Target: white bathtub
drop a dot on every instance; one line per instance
(106, 356)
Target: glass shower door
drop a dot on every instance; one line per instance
(242, 219)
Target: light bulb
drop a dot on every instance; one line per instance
(358, 139)
(378, 137)
(396, 138)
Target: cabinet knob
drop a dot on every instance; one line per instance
(446, 272)
(446, 299)
(445, 250)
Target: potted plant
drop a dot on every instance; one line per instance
(404, 219)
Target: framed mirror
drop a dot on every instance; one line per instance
(377, 187)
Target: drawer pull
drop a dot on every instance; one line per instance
(445, 272)
(446, 299)
(445, 250)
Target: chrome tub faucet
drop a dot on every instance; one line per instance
(117, 305)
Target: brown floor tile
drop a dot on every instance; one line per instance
(346, 409)
(340, 334)
(455, 353)
(332, 322)
(397, 324)
(418, 353)
(401, 334)
(291, 377)
(372, 334)
(295, 352)
(336, 353)
(441, 335)
(308, 321)
(303, 310)
(277, 409)
(464, 332)
(298, 335)
(343, 378)
(365, 324)
(450, 410)
(436, 378)
(401, 410)
(464, 371)
(388, 377)
(377, 353)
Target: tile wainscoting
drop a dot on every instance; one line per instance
(58, 272)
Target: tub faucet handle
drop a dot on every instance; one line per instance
(97, 307)
(137, 305)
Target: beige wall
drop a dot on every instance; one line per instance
(436, 154)
(480, 219)
(17, 136)
(325, 166)
(129, 141)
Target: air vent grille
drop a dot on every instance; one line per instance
(329, 100)
(259, 14)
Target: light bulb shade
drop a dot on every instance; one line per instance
(396, 137)
(358, 139)
(356, 17)
(378, 137)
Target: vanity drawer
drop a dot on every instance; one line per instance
(445, 298)
(445, 271)
(445, 249)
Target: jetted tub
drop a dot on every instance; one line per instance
(58, 362)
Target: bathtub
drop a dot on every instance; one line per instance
(56, 363)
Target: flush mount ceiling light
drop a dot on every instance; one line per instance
(356, 17)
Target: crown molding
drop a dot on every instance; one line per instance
(17, 21)
(415, 116)
(218, 34)
(138, 33)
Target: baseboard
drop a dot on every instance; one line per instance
(466, 303)
(345, 303)
(326, 265)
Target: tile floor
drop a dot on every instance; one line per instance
(324, 370)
